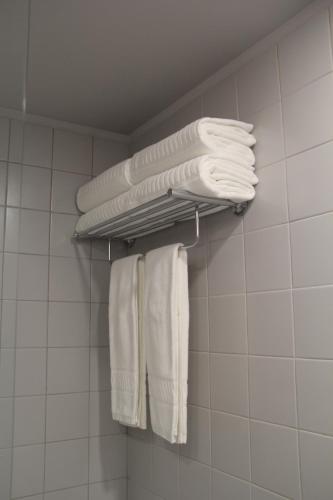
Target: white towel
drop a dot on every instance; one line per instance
(206, 135)
(109, 184)
(166, 324)
(208, 175)
(127, 351)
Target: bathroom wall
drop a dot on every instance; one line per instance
(57, 440)
(261, 345)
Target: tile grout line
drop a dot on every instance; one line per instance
(47, 324)
(299, 479)
(15, 334)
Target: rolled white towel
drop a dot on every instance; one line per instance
(230, 138)
(109, 184)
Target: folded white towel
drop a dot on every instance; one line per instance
(127, 352)
(208, 175)
(206, 135)
(109, 184)
(166, 323)
(205, 175)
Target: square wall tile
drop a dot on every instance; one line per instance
(109, 490)
(197, 272)
(100, 416)
(7, 371)
(35, 187)
(30, 372)
(37, 145)
(4, 138)
(269, 208)
(311, 196)
(64, 189)
(315, 405)
(230, 396)
(9, 276)
(140, 461)
(268, 132)
(27, 231)
(267, 256)
(224, 486)
(270, 323)
(258, 83)
(68, 324)
(307, 116)
(78, 493)
(221, 100)
(227, 324)
(100, 279)
(14, 181)
(67, 416)
(165, 473)
(198, 446)
(69, 279)
(231, 444)
(312, 247)
(316, 466)
(199, 329)
(107, 153)
(99, 325)
(6, 422)
(226, 266)
(5, 473)
(305, 54)
(62, 243)
(198, 379)
(32, 277)
(273, 390)
(274, 459)
(8, 324)
(194, 481)
(72, 152)
(108, 458)
(66, 464)
(28, 470)
(222, 225)
(100, 375)
(29, 425)
(313, 316)
(3, 182)
(68, 370)
(16, 141)
(31, 324)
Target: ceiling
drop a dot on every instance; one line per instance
(113, 64)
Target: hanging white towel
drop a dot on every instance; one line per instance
(166, 324)
(127, 351)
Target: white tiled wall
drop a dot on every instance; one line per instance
(57, 439)
(261, 342)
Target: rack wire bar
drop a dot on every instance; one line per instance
(165, 211)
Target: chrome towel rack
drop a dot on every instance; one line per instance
(163, 212)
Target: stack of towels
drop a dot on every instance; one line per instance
(148, 303)
(209, 157)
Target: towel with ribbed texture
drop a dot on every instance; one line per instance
(166, 325)
(127, 350)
